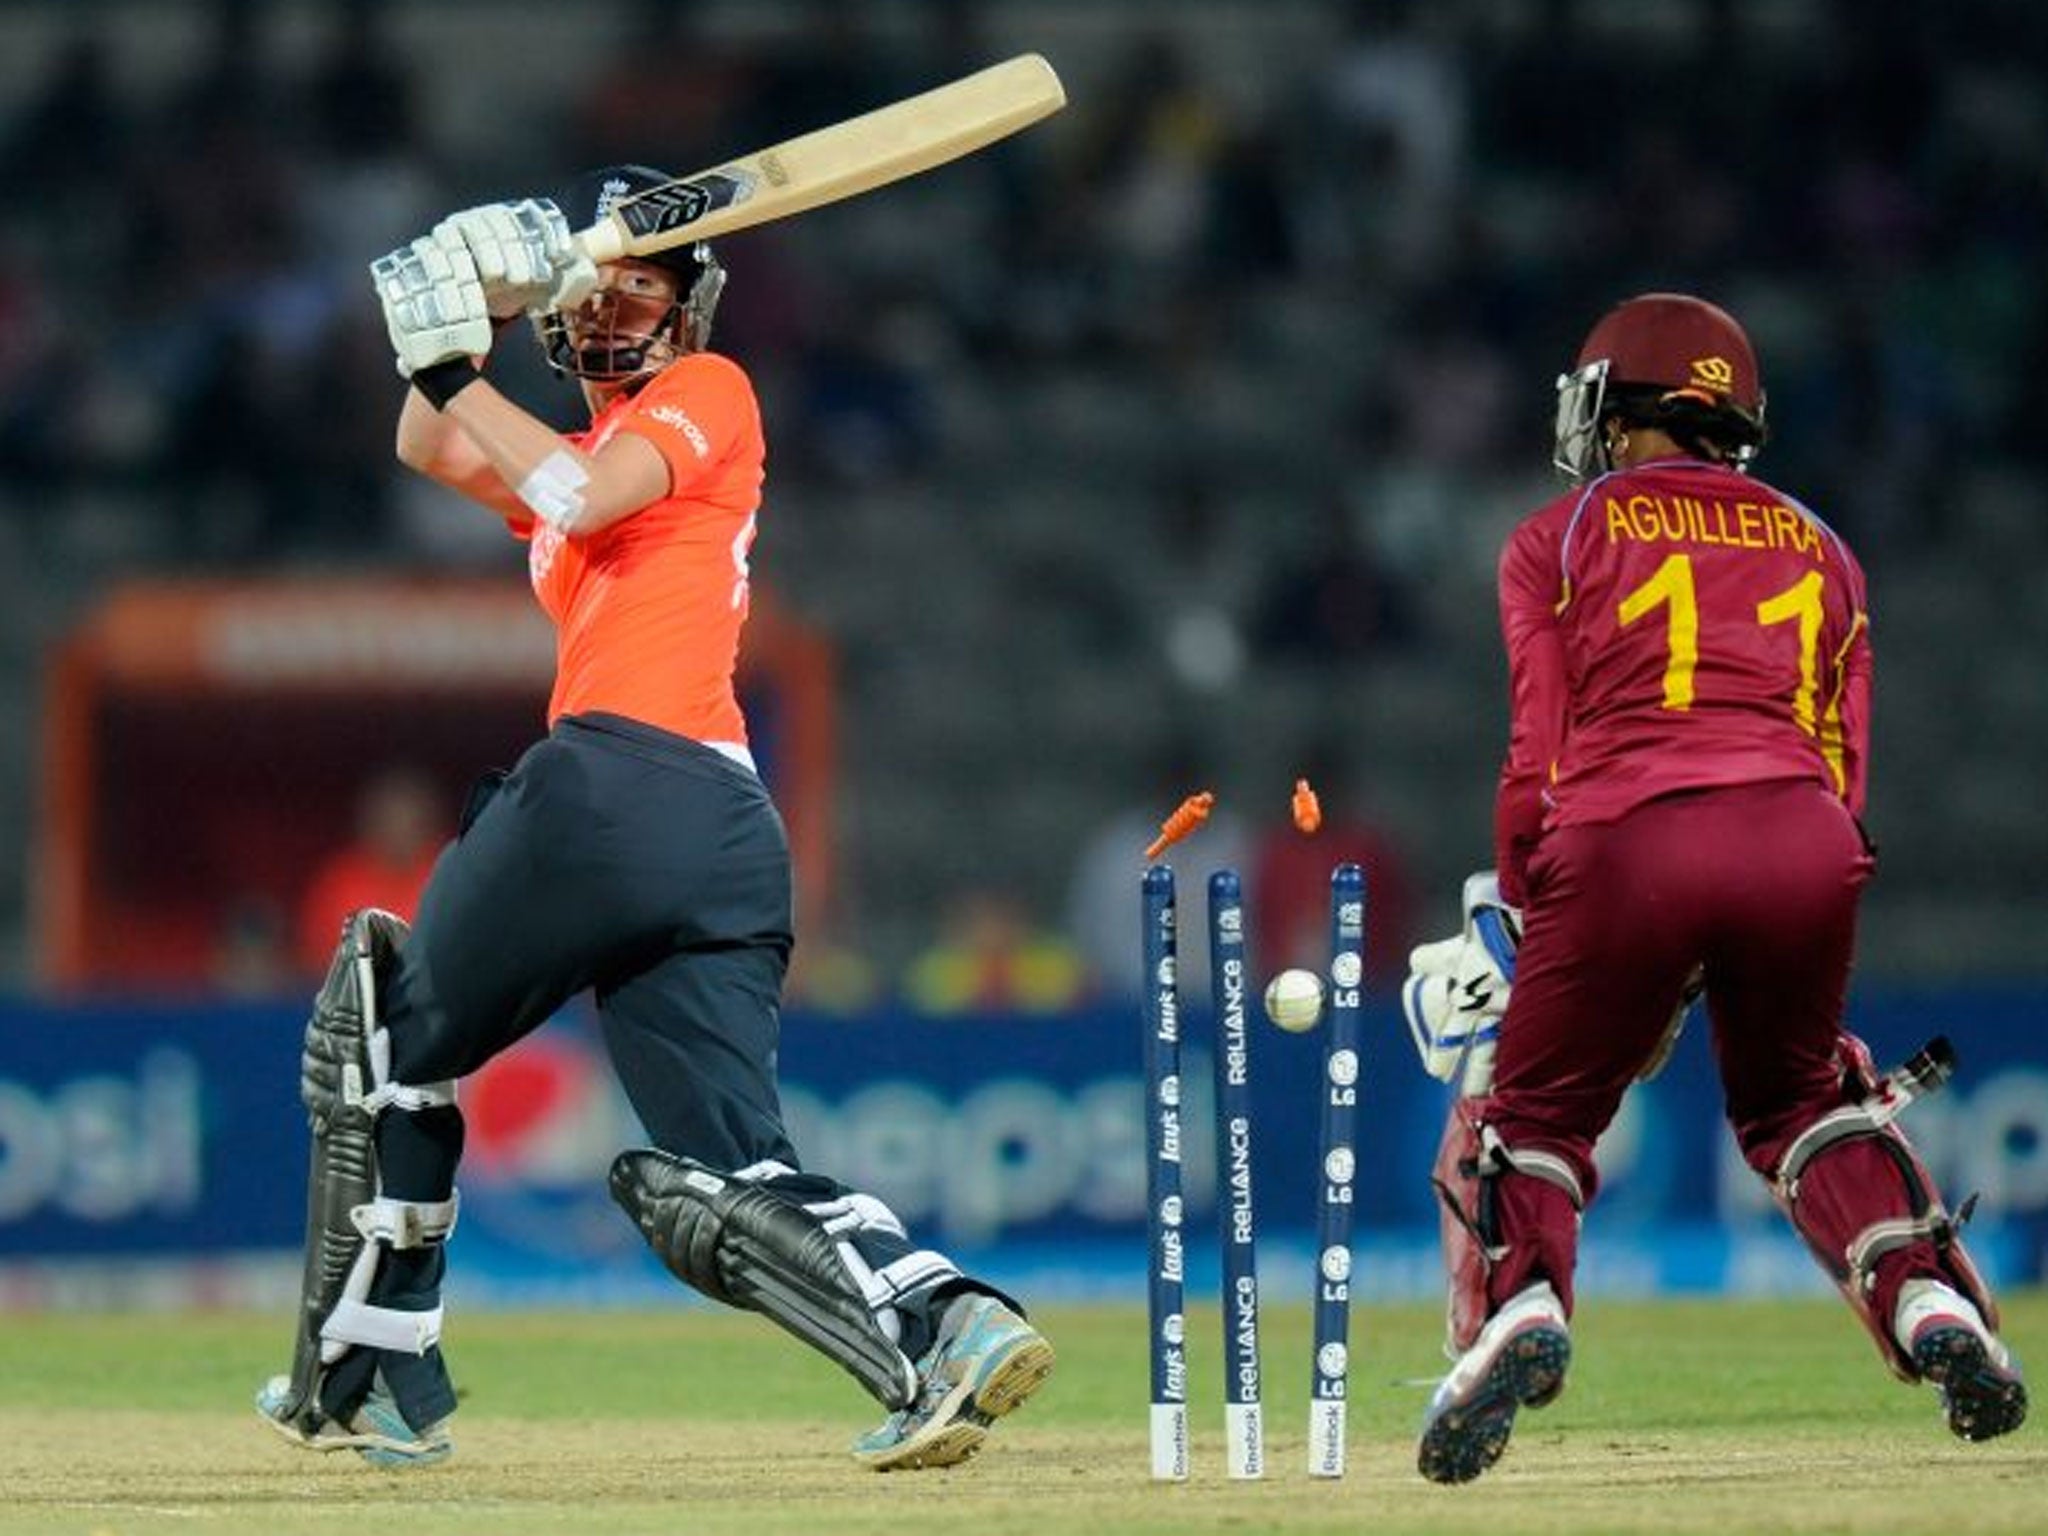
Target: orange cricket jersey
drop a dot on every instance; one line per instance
(648, 611)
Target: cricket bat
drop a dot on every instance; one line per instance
(824, 166)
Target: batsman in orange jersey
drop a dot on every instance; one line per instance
(1679, 813)
(633, 852)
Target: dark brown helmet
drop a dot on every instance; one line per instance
(1667, 360)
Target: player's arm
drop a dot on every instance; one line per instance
(440, 295)
(433, 445)
(525, 467)
(1856, 720)
(1530, 595)
(1853, 718)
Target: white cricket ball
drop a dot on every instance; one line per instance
(1294, 1000)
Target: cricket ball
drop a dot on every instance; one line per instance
(1294, 1000)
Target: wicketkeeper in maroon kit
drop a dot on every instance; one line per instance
(1690, 671)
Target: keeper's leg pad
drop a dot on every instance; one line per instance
(344, 1082)
(743, 1242)
(1856, 1191)
(1481, 1256)
(1468, 1228)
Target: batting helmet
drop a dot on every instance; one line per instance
(1665, 360)
(592, 345)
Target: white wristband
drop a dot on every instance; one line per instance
(554, 490)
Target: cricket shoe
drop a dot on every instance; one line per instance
(985, 1361)
(1518, 1361)
(378, 1432)
(1981, 1389)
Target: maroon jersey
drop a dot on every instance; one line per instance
(1674, 626)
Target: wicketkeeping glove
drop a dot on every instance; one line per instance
(1458, 988)
(524, 254)
(433, 304)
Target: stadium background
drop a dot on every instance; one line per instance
(1170, 445)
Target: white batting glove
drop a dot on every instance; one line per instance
(1458, 989)
(1452, 1015)
(433, 304)
(524, 255)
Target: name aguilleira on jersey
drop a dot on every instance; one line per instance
(1650, 518)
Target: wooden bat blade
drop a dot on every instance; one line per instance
(828, 164)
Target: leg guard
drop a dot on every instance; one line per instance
(350, 1223)
(742, 1240)
(1858, 1194)
(1484, 1263)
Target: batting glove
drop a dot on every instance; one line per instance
(434, 307)
(524, 254)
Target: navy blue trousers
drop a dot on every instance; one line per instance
(654, 873)
(646, 869)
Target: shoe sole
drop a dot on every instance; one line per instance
(1011, 1378)
(378, 1450)
(1465, 1438)
(946, 1446)
(962, 1417)
(1983, 1399)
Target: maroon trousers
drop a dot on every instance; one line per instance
(1759, 884)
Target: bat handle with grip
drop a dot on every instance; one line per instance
(603, 241)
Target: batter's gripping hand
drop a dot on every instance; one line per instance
(1458, 988)
(433, 304)
(524, 255)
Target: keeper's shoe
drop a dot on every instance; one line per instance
(378, 1432)
(1518, 1361)
(1981, 1388)
(985, 1362)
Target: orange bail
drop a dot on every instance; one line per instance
(1308, 811)
(1192, 812)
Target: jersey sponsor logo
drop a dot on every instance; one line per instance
(541, 552)
(675, 416)
(1649, 519)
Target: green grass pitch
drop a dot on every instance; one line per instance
(1709, 1417)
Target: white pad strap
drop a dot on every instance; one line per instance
(384, 1093)
(407, 1223)
(882, 1289)
(1532, 1161)
(1882, 1237)
(412, 1098)
(844, 1218)
(851, 1212)
(915, 1272)
(356, 1322)
(1844, 1124)
(334, 1344)
(1923, 1074)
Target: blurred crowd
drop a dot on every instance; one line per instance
(1478, 178)
(1412, 209)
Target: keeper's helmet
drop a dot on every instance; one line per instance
(1664, 360)
(617, 335)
